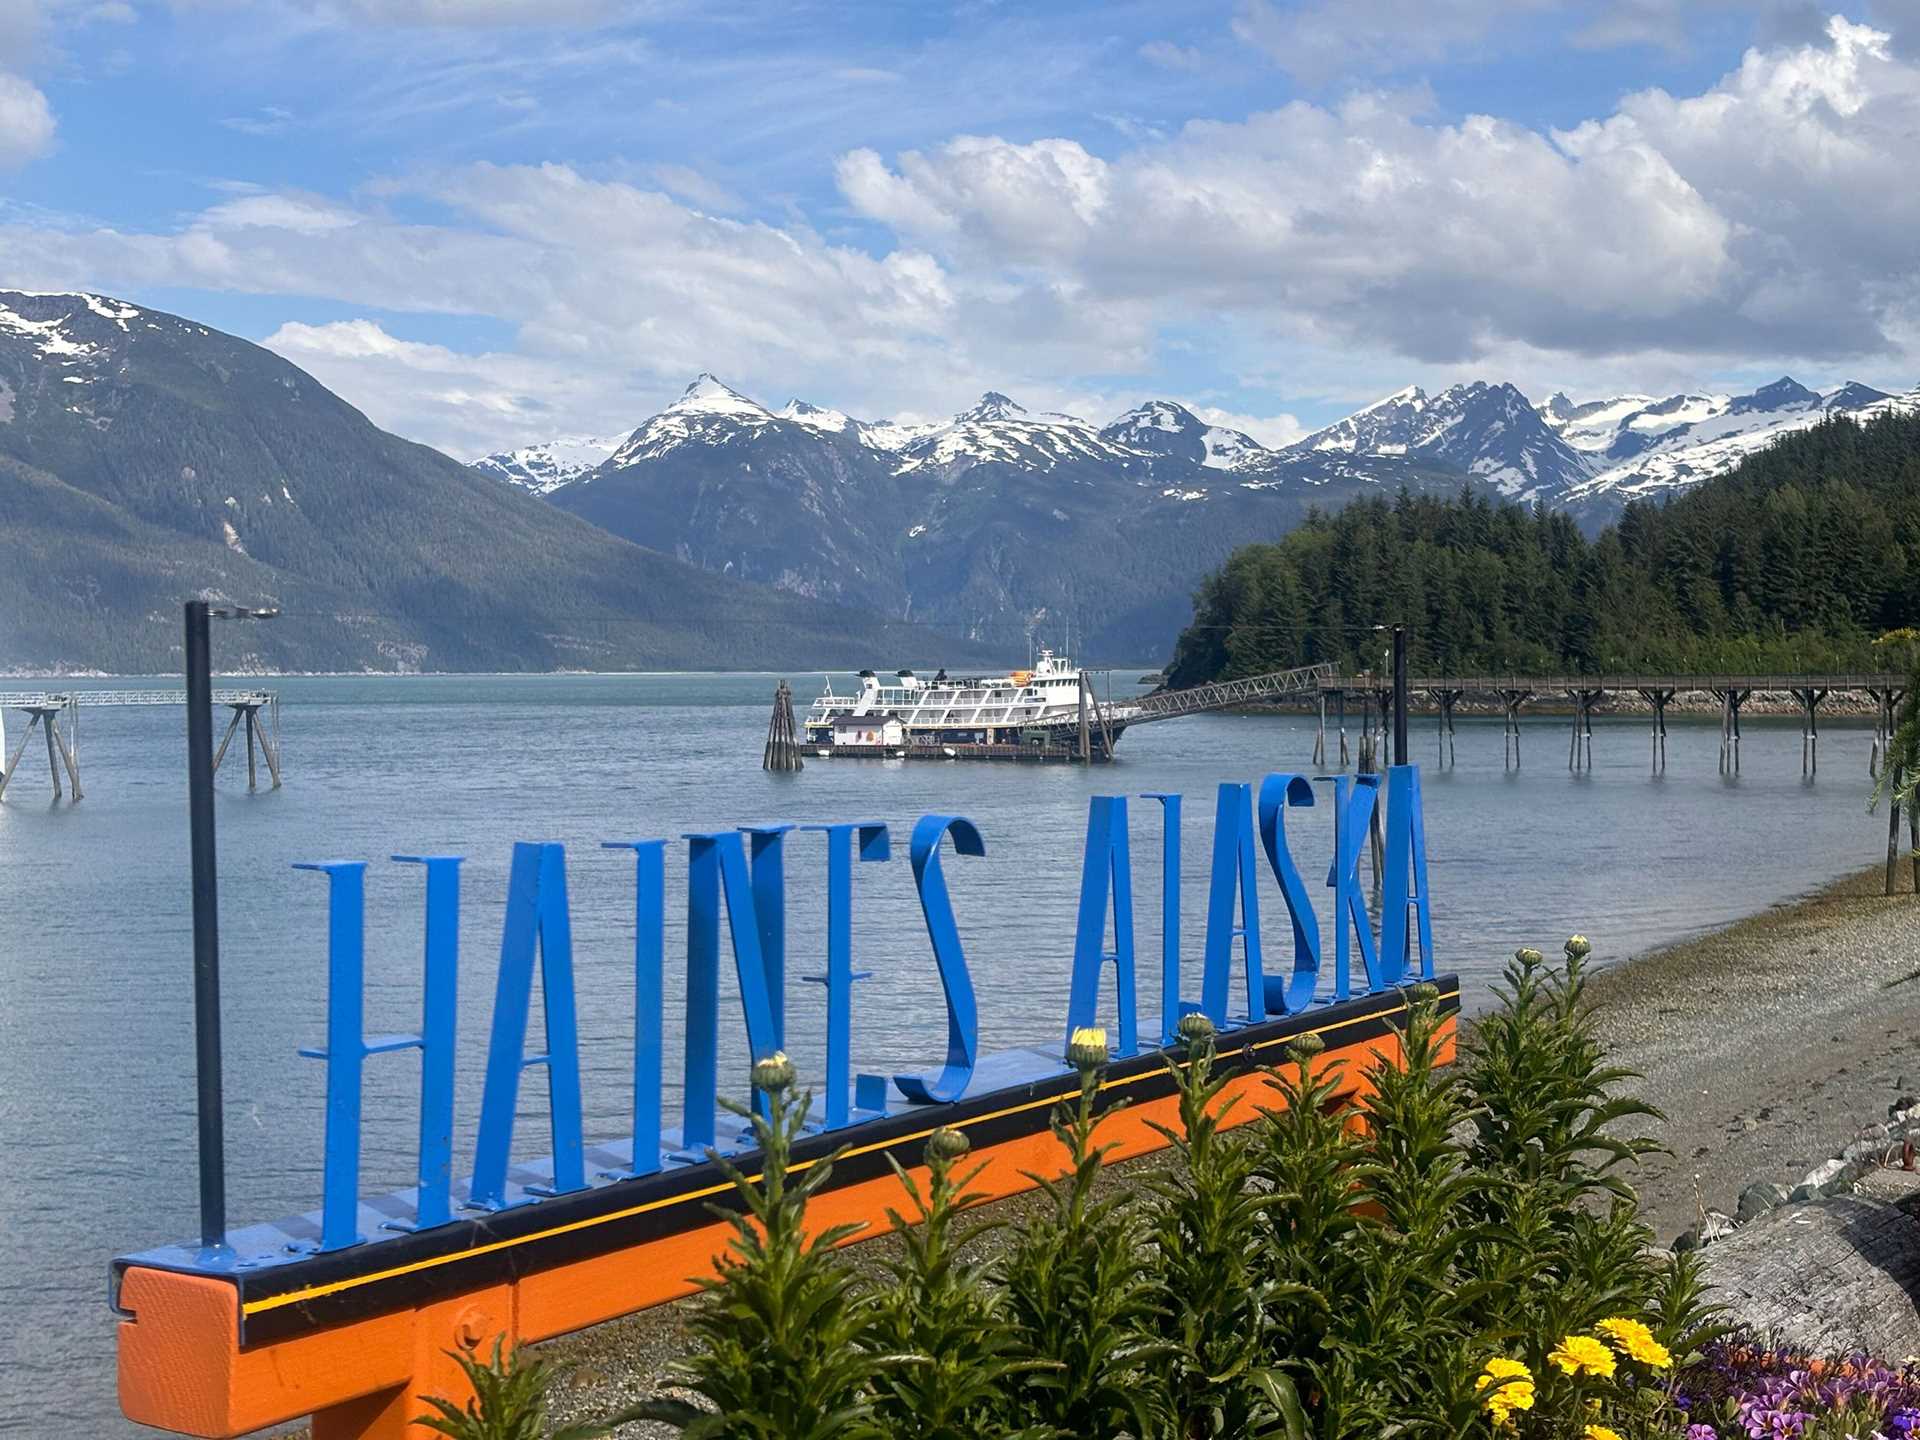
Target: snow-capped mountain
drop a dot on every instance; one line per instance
(1004, 519)
(1636, 445)
(1490, 431)
(550, 463)
(1160, 427)
(1000, 430)
(708, 413)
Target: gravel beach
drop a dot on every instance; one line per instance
(1768, 1043)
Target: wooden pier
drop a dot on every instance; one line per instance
(257, 711)
(1585, 692)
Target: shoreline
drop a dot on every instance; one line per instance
(1768, 1042)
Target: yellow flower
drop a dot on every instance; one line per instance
(1601, 1432)
(1634, 1339)
(1579, 1354)
(1512, 1388)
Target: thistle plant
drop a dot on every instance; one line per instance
(1208, 1223)
(940, 1312)
(509, 1400)
(780, 1329)
(1077, 1289)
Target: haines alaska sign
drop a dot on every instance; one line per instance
(344, 1313)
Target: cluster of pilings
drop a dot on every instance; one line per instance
(783, 741)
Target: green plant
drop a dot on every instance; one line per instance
(1400, 1334)
(1207, 1222)
(1546, 1107)
(940, 1312)
(1077, 1290)
(509, 1400)
(782, 1323)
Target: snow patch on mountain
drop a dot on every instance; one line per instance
(1491, 431)
(708, 412)
(1687, 454)
(1164, 428)
(549, 464)
(997, 429)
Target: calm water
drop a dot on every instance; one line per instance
(96, 1046)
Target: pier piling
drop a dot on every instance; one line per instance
(783, 744)
(1809, 698)
(1511, 701)
(1658, 696)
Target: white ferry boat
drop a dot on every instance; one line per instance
(1023, 715)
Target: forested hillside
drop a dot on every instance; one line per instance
(145, 459)
(1793, 561)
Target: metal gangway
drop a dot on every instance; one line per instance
(1171, 704)
(48, 710)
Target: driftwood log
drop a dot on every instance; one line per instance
(1833, 1276)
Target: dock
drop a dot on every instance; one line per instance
(257, 712)
(1654, 689)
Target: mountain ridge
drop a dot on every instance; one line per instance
(146, 459)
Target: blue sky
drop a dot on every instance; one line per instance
(491, 221)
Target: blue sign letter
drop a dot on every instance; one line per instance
(1295, 993)
(1353, 802)
(874, 845)
(963, 1021)
(1107, 865)
(1171, 1008)
(1406, 878)
(649, 943)
(1232, 869)
(717, 864)
(536, 919)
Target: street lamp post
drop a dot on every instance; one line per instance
(206, 918)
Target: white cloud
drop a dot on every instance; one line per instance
(1768, 215)
(461, 403)
(1273, 431)
(1169, 56)
(26, 121)
(1320, 253)
(690, 184)
(267, 120)
(1321, 40)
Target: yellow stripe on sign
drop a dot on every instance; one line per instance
(336, 1287)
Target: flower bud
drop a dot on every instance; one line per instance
(773, 1074)
(1087, 1050)
(947, 1143)
(1305, 1047)
(1578, 947)
(1425, 993)
(1529, 956)
(1194, 1028)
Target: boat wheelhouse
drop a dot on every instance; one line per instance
(1049, 712)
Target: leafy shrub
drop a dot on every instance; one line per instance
(509, 1400)
(1077, 1284)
